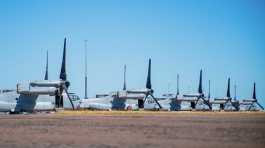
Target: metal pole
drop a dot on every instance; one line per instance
(177, 84)
(85, 69)
(124, 78)
(235, 91)
(209, 91)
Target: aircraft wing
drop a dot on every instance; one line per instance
(192, 95)
(260, 106)
(189, 99)
(138, 91)
(249, 100)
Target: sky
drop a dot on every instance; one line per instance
(224, 38)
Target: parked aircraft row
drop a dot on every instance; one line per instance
(49, 95)
(132, 99)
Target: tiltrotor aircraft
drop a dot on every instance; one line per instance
(123, 100)
(44, 95)
(227, 103)
(196, 101)
(251, 104)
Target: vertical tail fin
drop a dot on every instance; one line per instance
(228, 95)
(47, 62)
(148, 81)
(200, 84)
(63, 68)
(254, 92)
(124, 78)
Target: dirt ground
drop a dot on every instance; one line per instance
(133, 130)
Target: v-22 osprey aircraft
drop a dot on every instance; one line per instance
(44, 95)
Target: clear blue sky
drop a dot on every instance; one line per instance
(223, 37)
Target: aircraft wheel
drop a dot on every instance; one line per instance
(129, 108)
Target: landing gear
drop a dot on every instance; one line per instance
(192, 105)
(140, 103)
(58, 102)
(222, 106)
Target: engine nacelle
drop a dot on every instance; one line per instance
(56, 84)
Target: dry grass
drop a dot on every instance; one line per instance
(134, 129)
(152, 113)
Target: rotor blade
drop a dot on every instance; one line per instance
(124, 78)
(200, 83)
(156, 101)
(228, 89)
(148, 81)
(250, 107)
(145, 98)
(207, 102)
(47, 64)
(66, 91)
(63, 68)
(254, 92)
(260, 106)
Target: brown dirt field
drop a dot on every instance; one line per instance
(133, 130)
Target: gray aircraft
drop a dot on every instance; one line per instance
(44, 95)
(251, 104)
(227, 103)
(169, 103)
(196, 101)
(123, 100)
